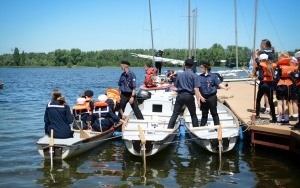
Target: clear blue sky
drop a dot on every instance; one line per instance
(94, 25)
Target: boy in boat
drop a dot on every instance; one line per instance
(83, 110)
(103, 116)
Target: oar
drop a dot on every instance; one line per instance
(143, 149)
(51, 144)
(83, 134)
(220, 145)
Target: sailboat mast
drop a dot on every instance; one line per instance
(189, 29)
(153, 52)
(253, 54)
(194, 32)
(236, 38)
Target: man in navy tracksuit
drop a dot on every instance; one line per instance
(187, 86)
(58, 117)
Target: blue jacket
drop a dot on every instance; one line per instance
(58, 117)
(127, 82)
(208, 84)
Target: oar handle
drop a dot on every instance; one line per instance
(220, 133)
(51, 142)
(142, 136)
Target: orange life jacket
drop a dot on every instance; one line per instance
(285, 78)
(100, 107)
(114, 95)
(82, 108)
(149, 82)
(267, 77)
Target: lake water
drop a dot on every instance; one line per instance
(22, 102)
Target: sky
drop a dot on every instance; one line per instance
(95, 25)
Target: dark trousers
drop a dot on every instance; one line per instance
(124, 100)
(158, 66)
(260, 93)
(210, 105)
(188, 100)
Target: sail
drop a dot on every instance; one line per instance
(159, 59)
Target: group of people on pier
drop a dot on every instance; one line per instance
(279, 78)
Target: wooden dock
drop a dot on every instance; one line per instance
(240, 99)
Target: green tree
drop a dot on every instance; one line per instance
(17, 57)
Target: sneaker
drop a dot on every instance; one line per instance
(285, 122)
(292, 118)
(273, 120)
(267, 112)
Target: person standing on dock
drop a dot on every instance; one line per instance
(127, 88)
(265, 48)
(297, 77)
(209, 83)
(266, 70)
(187, 86)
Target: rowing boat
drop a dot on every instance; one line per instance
(157, 108)
(207, 136)
(69, 147)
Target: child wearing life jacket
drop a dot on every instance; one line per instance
(81, 112)
(150, 76)
(265, 75)
(296, 76)
(284, 85)
(103, 116)
(113, 99)
(295, 91)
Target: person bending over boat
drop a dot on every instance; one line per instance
(209, 83)
(187, 86)
(58, 116)
(103, 116)
(127, 88)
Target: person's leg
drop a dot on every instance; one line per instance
(258, 99)
(212, 103)
(136, 109)
(190, 104)
(123, 101)
(204, 108)
(176, 111)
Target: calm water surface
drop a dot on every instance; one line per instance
(22, 102)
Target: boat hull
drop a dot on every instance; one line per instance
(70, 147)
(154, 127)
(207, 136)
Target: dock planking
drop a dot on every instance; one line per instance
(240, 99)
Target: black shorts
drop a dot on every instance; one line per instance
(282, 95)
(295, 92)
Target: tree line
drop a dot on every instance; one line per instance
(216, 55)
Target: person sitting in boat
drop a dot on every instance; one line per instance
(103, 116)
(150, 77)
(113, 99)
(81, 112)
(171, 75)
(58, 116)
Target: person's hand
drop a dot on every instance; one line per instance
(131, 100)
